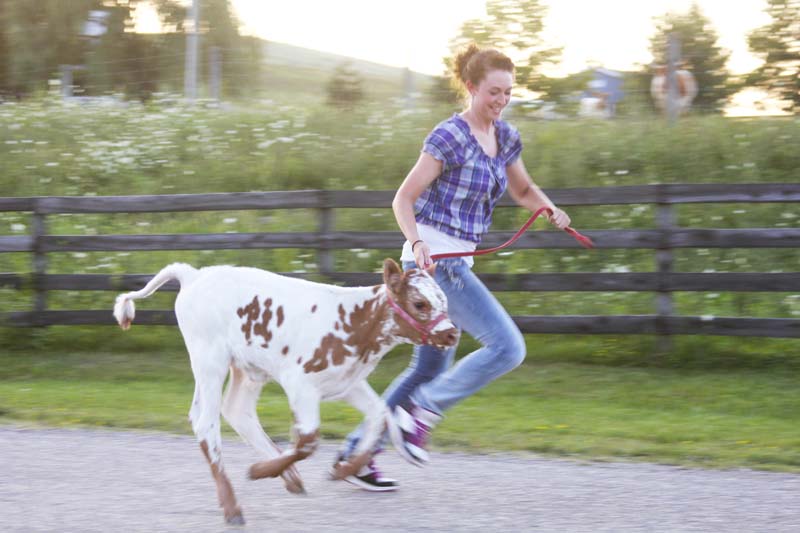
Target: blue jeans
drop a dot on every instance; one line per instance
(431, 381)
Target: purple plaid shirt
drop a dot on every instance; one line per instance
(461, 200)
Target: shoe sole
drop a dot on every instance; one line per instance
(353, 480)
(396, 436)
(368, 487)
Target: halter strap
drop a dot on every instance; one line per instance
(424, 329)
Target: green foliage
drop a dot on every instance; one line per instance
(49, 148)
(711, 401)
(700, 51)
(778, 43)
(513, 27)
(715, 416)
(39, 37)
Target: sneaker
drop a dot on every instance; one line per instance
(409, 430)
(369, 478)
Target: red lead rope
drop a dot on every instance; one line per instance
(583, 239)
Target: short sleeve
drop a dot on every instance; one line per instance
(512, 147)
(443, 145)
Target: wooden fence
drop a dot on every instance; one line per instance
(663, 239)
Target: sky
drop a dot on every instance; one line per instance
(415, 33)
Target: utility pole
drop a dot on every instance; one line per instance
(192, 44)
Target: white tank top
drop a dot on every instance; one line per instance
(439, 243)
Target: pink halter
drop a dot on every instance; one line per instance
(424, 329)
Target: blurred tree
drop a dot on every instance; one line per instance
(345, 88)
(513, 27)
(5, 87)
(699, 50)
(171, 13)
(40, 36)
(442, 91)
(568, 86)
(778, 43)
(241, 59)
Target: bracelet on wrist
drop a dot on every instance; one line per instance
(414, 244)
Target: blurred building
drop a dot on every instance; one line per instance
(603, 94)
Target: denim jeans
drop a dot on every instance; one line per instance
(431, 380)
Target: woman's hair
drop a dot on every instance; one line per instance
(472, 64)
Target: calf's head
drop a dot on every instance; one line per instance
(419, 305)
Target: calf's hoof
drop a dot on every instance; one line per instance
(234, 518)
(291, 477)
(351, 467)
(341, 470)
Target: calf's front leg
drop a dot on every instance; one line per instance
(365, 399)
(305, 406)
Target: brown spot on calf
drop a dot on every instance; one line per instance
(252, 327)
(251, 311)
(364, 338)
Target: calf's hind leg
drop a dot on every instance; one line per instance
(208, 394)
(239, 409)
(305, 406)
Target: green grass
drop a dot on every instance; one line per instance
(710, 401)
(736, 415)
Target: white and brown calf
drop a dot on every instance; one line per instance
(320, 342)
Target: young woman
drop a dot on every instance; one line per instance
(445, 204)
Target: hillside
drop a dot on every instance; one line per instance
(293, 69)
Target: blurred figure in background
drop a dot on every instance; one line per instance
(445, 204)
(594, 102)
(687, 89)
(602, 95)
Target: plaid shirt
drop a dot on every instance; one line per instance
(461, 200)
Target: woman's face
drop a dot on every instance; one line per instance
(492, 94)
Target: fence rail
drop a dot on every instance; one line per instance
(666, 237)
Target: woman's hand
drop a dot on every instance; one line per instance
(559, 218)
(422, 255)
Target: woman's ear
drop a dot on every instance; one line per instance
(470, 88)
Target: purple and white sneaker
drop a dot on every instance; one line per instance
(409, 431)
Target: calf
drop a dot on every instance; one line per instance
(320, 342)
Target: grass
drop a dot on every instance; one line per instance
(720, 402)
(713, 415)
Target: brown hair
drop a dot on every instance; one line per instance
(472, 64)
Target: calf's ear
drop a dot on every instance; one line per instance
(392, 275)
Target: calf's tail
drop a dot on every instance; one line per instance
(124, 310)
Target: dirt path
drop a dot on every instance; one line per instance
(84, 480)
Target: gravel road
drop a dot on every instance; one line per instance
(85, 480)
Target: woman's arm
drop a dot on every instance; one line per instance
(426, 169)
(527, 194)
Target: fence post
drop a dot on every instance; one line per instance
(673, 59)
(215, 72)
(665, 220)
(39, 230)
(327, 223)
